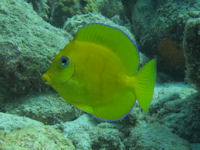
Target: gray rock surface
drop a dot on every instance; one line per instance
(81, 138)
(154, 136)
(41, 137)
(87, 134)
(27, 46)
(48, 108)
(10, 122)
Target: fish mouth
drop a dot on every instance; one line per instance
(46, 78)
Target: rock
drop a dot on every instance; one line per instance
(87, 135)
(41, 137)
(154, 136)
(77, 131)
(107, 137)
(48, 108)
(12, 122)
(171, 89)
(27, 46)
(179, 111)
(161, 33)
(144, 134)
(192, 50)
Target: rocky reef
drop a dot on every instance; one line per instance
(159, 28)
(34, 117)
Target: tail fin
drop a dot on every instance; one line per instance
(144, 82)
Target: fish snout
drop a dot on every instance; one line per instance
(46, 78)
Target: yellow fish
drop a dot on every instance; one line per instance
(97, 72)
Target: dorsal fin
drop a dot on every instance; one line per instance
(114, 39)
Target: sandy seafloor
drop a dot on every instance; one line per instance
(34, 117)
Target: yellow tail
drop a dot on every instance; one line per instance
(143, 84)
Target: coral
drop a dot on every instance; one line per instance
(48, 108)
(192, 50)
(68, 8)
(12, 122)
(41, 7)
(110, 8)
(43, 137)
(27, 46)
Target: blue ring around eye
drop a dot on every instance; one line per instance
(64, 61)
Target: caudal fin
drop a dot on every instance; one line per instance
(144, 82)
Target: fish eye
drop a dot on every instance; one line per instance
(64, 61)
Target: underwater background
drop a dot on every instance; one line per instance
(34, 117)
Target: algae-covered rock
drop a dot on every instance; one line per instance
(192, 50)
(48, 108)
(10, 122)
(27, 46)
(154, 136)
(42, 137)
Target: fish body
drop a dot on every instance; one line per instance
(97, 72)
